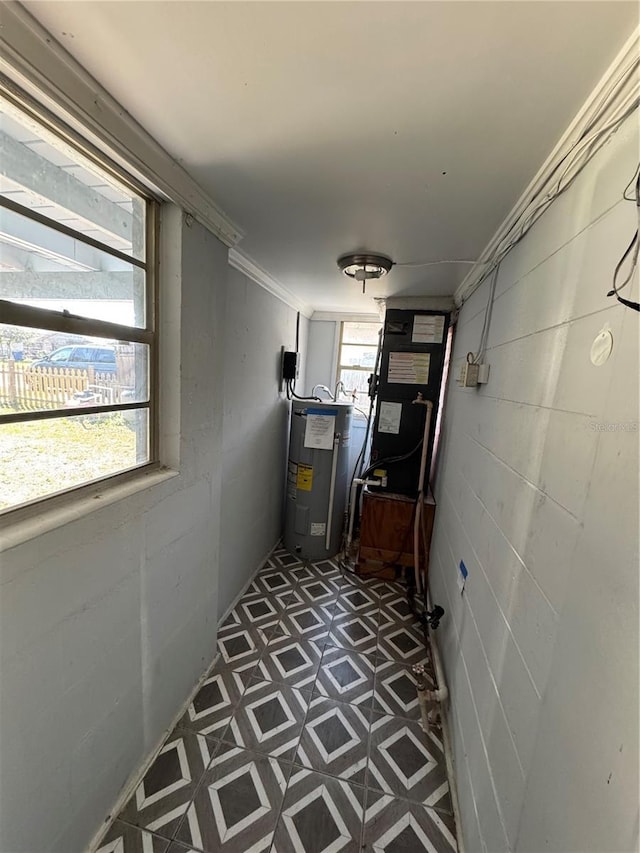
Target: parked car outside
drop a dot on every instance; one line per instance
(102, 359)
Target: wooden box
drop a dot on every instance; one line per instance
(386, 533)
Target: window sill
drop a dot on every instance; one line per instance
(39, 518)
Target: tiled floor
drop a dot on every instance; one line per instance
(305, 738)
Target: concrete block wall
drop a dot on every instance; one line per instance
(255, 429)
(537, 493)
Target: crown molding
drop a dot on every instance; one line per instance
(345, 317)
(35, 62)
(424, 303)
(585, 118)
(246, 265)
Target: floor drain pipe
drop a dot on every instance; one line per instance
(427, 699)
(437, 698)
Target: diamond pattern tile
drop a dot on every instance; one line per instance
(212, 708)
(319, 591)
(398, 826)
(347, 676)
(240, 644)
(275, 582)
(358, 600)
(237, 804)
(307, 621)
(335, 739)
(289, 660)
(320, 814)
(305, 735)
(398, 609)
(395, 690)
(407, 764)
(387, 590)
(269, 719)
(401, 642)
(327, 569)
(354, 632)
(161, 799)
(283, 559)
(123, 838)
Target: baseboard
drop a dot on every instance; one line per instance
(134, 780)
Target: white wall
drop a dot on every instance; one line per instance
(541, 650)
(107, 621)
(255, 431)
(322, 360)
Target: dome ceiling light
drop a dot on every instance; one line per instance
(363, 266)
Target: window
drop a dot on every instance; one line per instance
(357, 355)
(77, 312)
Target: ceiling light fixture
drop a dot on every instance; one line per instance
(363, 266)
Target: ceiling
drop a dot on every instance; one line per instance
(324, 127)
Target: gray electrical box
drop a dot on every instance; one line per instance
(317, 478)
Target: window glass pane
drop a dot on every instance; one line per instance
(46, 269)
(40, 458)
(45, 174)
(360, 333)
(41, 370)
(356, 379)
(358, 356)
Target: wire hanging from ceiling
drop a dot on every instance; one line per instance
(570, 166)
(632, 250)
(432, 263)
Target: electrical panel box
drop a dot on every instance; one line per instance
(413, 354)
(469, 374)
(289, 365)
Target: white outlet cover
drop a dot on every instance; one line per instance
(601, 347)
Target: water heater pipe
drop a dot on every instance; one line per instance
(420, 498)
(357, 481)
(332, 489)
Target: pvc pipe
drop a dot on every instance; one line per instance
(419, 506)
(323, 388)
(437, 663)
(357, 481)
(446, 737)
(352, 497)
(332, 489)
(424, 711)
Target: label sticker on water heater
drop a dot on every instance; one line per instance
(318, 529)
(319, 431)
(305, 477)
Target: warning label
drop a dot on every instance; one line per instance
(318, 529)
(305, 477)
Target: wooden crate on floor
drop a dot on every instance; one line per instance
(386, 533)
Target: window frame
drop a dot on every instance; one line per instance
(31, 317)
(342, 342)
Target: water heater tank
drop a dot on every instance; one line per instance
(317, 478)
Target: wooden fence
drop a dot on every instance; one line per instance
(23, 388)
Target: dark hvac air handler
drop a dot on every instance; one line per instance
(317, 478)
(413, 354)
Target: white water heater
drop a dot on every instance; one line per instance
(317, 478)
